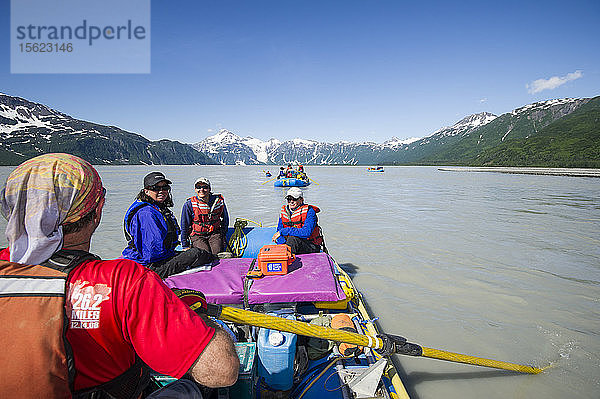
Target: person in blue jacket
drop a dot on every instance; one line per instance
(152, 232)
(298, 225)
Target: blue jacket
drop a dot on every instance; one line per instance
(149, 231)
(302, 232)
(187, 218)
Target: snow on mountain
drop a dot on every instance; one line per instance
(465, 125)
(228, 148)
(548, 104)
(28, 129)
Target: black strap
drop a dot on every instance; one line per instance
(130, 216)
(65, 260)
(128, 385)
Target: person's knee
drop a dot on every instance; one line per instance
(200, 256)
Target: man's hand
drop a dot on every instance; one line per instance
(276, 236)
(194, 299)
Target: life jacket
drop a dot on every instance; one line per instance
(297, 218)
(207, 217)
(172, 230)
(37, 358)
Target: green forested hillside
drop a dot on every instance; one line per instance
(572, 141)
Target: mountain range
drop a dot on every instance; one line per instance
(560, 132)
(28, 129)
(479, 139)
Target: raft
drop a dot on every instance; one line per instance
(277, 364)
(290, 182)
(377, 169)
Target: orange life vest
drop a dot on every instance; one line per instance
(207, 219)
(37, 360)
(297, 218)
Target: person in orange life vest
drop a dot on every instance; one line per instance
(297, 226)
(53, 204)
(204, 219)
(290, 172)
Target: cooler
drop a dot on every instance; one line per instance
(275, 259)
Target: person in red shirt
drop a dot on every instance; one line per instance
(120, 314)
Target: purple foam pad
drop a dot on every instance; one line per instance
(310, 278)
(223, 284)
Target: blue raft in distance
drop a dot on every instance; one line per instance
(291, 182)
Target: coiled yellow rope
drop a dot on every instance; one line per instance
(238, 240)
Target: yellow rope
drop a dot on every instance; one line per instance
(238, 240)
(335, 359)
(241, 316)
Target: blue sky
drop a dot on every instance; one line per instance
(330, 70)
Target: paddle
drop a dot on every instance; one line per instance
(311, 180)
(270, 180)
(400, 346)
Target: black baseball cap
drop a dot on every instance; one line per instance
(154, 178)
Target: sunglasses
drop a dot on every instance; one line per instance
(289, 198)
(157, 188)
(202, 187)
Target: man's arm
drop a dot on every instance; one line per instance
(218, 364)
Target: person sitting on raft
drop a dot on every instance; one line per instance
(298, 224)
(53, 204)
(152, 232)
(281, 173)
(204, 219)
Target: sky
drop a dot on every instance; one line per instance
(330, 70)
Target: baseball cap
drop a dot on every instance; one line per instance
(154, 178)
(203, 180)
(295, 192)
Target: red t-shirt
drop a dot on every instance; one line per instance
(118, 308)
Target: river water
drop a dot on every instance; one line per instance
(494, 265)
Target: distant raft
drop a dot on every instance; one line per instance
(377, 169)
(291, 182)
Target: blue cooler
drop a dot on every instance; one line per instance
(276, 352)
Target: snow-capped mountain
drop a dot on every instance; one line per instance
(28, 129)
(228, 148)
(468, 135)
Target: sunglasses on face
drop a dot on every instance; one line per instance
(289, 198)
(202, 187)
(157, 188)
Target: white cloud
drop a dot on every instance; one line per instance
(552, 83)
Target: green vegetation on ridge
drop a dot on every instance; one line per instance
(572, 141)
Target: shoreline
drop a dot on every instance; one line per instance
(529, 171)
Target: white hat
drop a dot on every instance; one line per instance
(203, 180)
(295, 192)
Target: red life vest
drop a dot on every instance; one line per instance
(207, 219)
(297, 218)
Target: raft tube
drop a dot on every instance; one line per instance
(291, 182)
